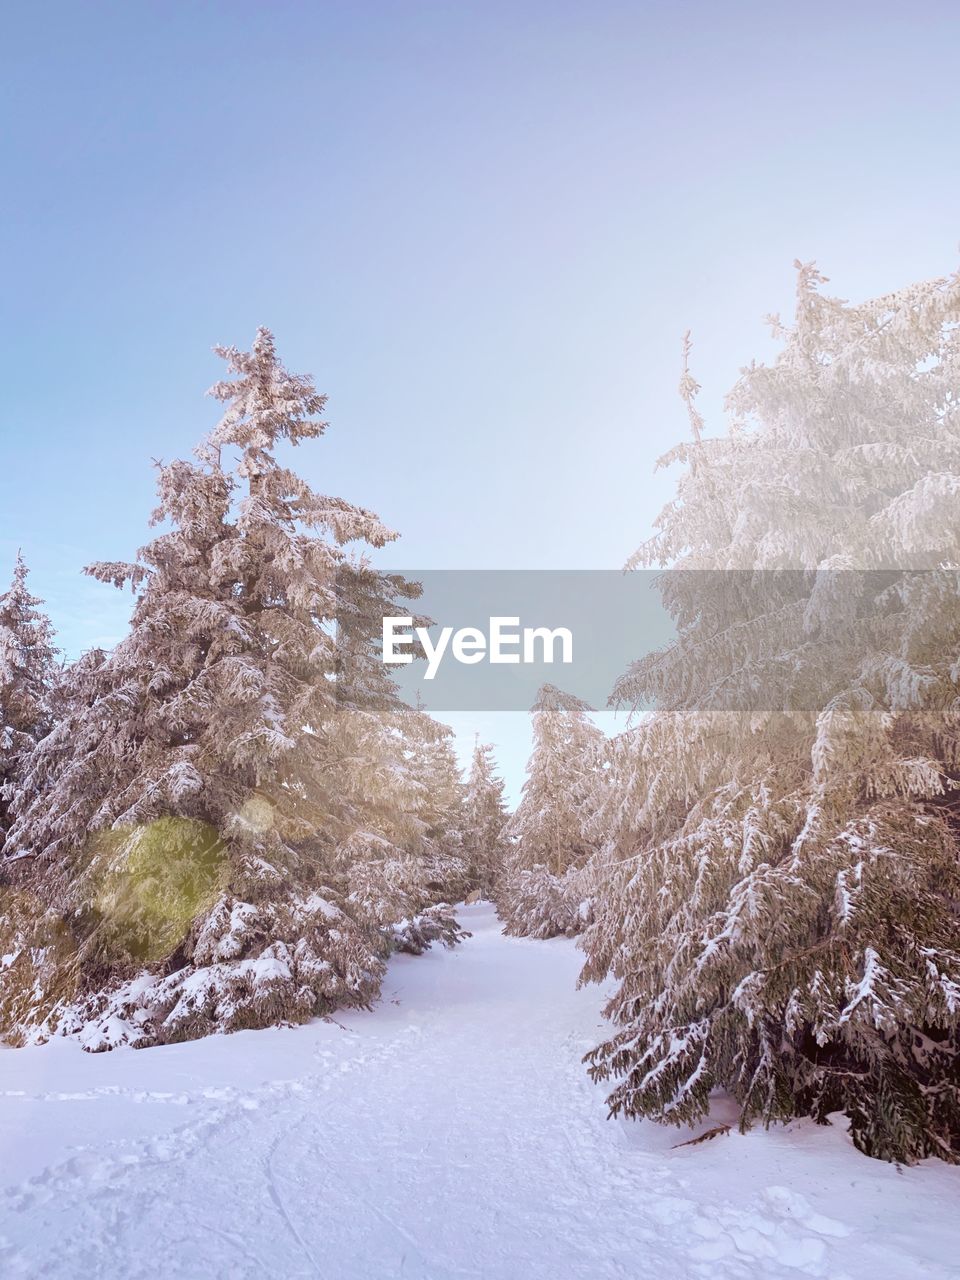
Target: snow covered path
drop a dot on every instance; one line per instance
(450, 1133)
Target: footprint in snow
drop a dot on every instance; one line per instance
(790, 1204)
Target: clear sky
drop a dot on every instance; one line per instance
(484, 228)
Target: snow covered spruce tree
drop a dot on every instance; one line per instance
(27, 672)
(400, 856)
(179, 817)
(437, 804)
(543, 891)
(781, 884)
(28, 692)
(485, 820)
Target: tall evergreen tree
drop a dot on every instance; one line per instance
(485, 820)
(27, 672)
(404, 864)
(542, 892)
(438, 802)
(779, 897)
(201, 748)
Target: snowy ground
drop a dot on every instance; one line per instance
(452, 1132)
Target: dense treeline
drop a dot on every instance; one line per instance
(776, 883)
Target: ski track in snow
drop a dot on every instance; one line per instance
(452, 1132)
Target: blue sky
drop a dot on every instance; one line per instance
(483, 227)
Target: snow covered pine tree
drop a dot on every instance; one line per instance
(544, 889)
(485, 842)
(27, 671)
(786, 924)
(401, 855)
(179, 818)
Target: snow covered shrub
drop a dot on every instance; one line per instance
(383, 883)
(552, 828)
(779, 893)
(390, 892)
(433, 924)
(250, 965)
(542, 905)
(186, 809)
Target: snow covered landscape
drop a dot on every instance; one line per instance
(466, 809)
(449, 1133)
